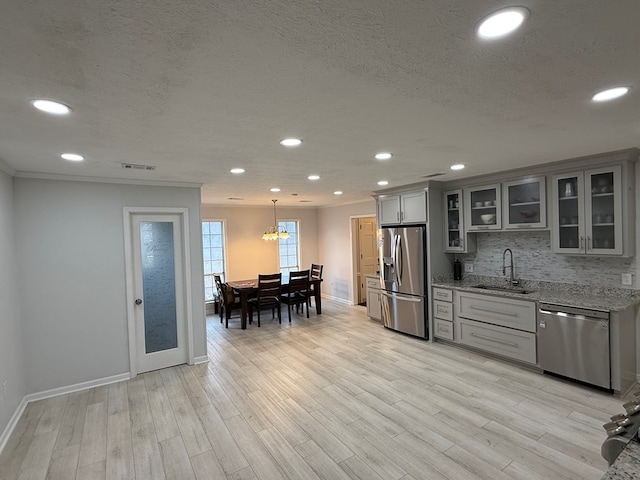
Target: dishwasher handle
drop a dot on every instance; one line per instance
(572, 312)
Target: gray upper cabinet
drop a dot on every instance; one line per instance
(402, 209)
(483, 208)
(455, 237)
(524, 203)
(589, 214)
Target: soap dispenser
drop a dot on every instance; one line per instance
(457, 270)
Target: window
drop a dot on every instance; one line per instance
(289, 248)
(213, 245)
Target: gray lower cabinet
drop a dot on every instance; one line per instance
(499, 325)
(374, 309)
(507, 342)
(443, 313)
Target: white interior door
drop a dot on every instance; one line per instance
(157, 329)
(368, 252)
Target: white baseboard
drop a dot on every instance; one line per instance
(338, 300)
(202, 359)
(4, 438)
(54, 392)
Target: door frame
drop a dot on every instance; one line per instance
(353, 238)
(183, 213)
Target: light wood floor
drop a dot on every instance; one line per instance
(334, 397)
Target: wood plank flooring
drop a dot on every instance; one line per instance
(332, 397)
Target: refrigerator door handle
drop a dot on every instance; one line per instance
(400, 259)
(407, 298)
(396, 260)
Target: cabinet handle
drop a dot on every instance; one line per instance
(481, 227)
(581, 243)
(491, 339)
(589, 243)
(398, 216)
(440, 294)
(480, 309)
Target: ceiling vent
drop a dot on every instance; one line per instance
(137, 166)
(431, 175)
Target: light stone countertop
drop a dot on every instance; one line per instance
(627, 465)
(598, 298)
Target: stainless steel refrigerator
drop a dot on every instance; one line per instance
(402, 267)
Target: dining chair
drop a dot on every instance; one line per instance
(228, 300)
(297, 292)
(267, 295)
(315, 274)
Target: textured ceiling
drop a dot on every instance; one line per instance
(197, 87)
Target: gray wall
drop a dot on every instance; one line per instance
(12, 367)
(70, 248)
(534, 260)
(335, 246)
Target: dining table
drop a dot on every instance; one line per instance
(249, 288)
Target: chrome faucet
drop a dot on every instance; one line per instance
(512, 280)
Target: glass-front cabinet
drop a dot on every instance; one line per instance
(483, 208)
(525, 203)
(456, 239)
(588, 212)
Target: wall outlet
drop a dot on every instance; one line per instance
(468, 267)
(627, 278)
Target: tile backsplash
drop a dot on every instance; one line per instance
(534, 260)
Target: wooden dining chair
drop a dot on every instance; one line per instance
(297, 292)
(228, 300)
(315, 273)
(267, 295)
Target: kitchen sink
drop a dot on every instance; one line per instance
(504, 289)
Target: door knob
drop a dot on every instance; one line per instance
(138, 301)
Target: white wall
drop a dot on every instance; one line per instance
(70, 248)
(12, 368)
(247, 254)
(335, 247)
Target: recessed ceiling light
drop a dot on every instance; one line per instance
(237, 170)
(49, 106)
(383, 156)
(383, 182)
(502, 22)
(337, 192)
(457, 166)
(290, 142)
(72, 157)
(610, 94)
(314, 177)
(275, 189)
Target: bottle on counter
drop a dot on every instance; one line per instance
(457, 270)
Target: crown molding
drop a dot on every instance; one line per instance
(126, 181)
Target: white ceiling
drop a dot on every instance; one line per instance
(197, 87)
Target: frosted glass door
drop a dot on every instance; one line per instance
(158, 286)
(159, 298)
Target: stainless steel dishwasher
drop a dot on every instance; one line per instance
(574, 342)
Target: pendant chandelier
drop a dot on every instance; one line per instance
(273, 232)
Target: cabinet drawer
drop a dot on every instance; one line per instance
(443, 310)
(443, 329)
(442, 294)
(373, 283)
(502, 341)
(506, 312)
